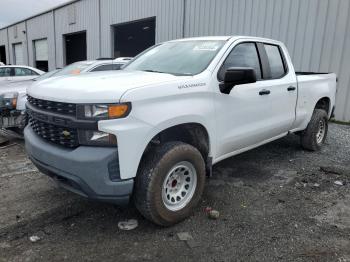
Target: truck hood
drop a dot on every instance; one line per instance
(97, 87)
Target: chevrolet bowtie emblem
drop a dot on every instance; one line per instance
(66, 133)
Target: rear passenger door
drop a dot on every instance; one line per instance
(281, 83)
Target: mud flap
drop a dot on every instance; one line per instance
(209, 167)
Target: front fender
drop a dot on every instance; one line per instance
(134, 135)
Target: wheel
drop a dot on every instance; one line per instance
(169, 183)
(313, 137)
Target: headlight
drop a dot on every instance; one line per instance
(104, 111)
(9, 100)
(96, 138)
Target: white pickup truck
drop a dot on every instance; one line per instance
(153, 130)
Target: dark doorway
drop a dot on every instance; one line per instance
(132, 38)
(75, 47)
(3, 54)
(42, 65)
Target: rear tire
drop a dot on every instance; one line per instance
(314, 136)
(169, 183)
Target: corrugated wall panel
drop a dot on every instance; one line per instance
(16, 35)
(86, 19)
(316, 32)
(309, 35)
(343, 104)
(41, 27)
(4, 42)
(168, 13)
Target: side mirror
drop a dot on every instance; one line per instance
(237, 76)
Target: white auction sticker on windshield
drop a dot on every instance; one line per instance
(207, 46)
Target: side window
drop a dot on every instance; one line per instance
(24, 72)
(5, 72)
(103, 68)
(275, 60)
(242, 55)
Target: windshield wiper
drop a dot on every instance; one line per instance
(154, 71)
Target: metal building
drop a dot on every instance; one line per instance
(316, 32)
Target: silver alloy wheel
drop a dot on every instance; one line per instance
(321, 131)
(179, 186)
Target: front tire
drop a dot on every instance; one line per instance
(169, 183)
(314, 136)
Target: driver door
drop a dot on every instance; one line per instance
(243, 114)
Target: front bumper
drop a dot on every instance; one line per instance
(92, 172)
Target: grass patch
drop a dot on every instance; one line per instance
(340, 122)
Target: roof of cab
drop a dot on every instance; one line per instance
(227, 38)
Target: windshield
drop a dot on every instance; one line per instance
(46, 75)
(74, 69)
(178, 58)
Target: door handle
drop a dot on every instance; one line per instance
(291, 88)
(264, 92)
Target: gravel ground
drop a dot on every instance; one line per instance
(276, 203)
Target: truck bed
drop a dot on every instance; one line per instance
(311, 88)
(310, 73)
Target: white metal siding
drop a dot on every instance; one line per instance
(41, 27)
(21, 37)
(168, 13)
(84, 17)
(316, 32)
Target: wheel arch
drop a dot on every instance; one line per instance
(325, 104)
(193, 133)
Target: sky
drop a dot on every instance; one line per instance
(12, 11)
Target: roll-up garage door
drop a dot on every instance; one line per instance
(18, 54)
(41, 50)
(41, 54)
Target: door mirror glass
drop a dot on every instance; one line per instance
(237, 76)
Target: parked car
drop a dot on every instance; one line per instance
(12, 73)
(154, 129)
(13, 95)
(102, 64)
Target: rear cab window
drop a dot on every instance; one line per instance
(276, 61)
